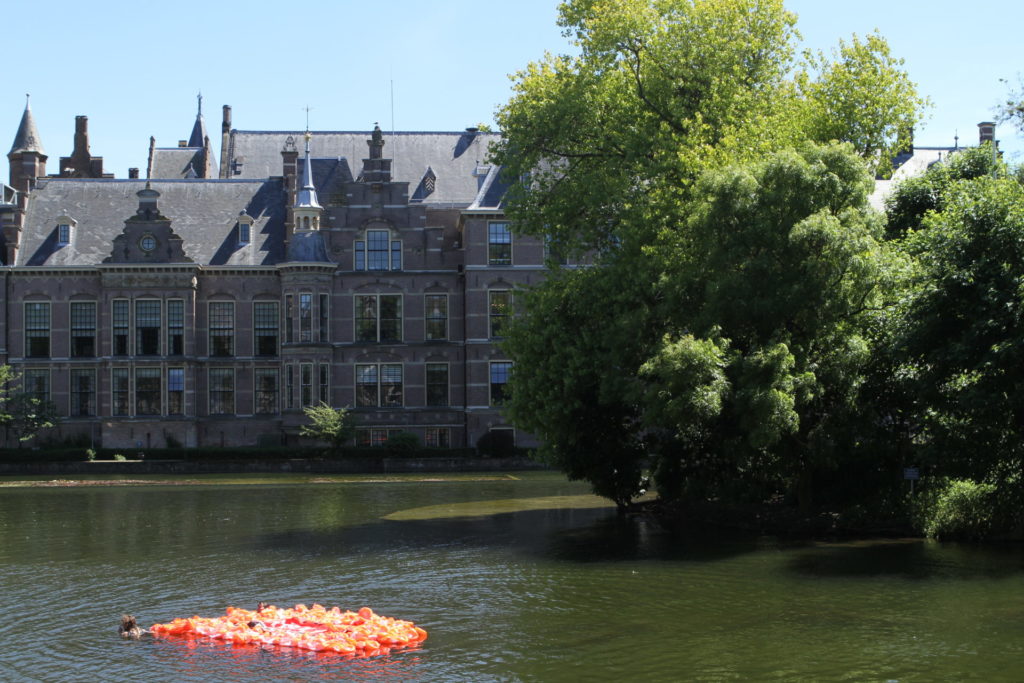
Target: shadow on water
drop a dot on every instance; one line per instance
(578, 536)
(913, 559)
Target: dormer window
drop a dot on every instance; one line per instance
(378, 252)
(244, 228)
(65, 224)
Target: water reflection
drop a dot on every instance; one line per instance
(548, 593)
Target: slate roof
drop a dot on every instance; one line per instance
(910, 165)
(453, 157)
(203, 212)
(492, 191)
(172, 163)
(27, 138)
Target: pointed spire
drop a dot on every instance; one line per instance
(307, 195)
(27, 139)
(199, 129)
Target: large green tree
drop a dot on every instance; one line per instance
(604, 150)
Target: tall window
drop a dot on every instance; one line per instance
(36, 383)
(83, 329)
(175, 327)
(379, 317)
(175, 391)
(119, 391)
(325, 319)
(500, 371)
(265, 323)
(435, 316)
(378, 252)
(289, 387)
(147, 327)
(265, 383)
(147, 391)
(222, 328)
(437, 384)
(289, 311)
(222, 391)
(437, 437)
(499, 305)
(119, 329)
(306, 384)
(244, 232)
(379, 385)
(305, 317)
(37, 329)
(325, 383)
(499, 244)
(83, 393)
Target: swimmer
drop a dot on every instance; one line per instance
(130, 629)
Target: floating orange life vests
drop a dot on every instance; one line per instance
(315, 628)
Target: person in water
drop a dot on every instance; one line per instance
(130, 629)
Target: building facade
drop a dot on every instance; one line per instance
(358, 269)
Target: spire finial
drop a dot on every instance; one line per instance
(200, 98)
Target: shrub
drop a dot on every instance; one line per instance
(963, 509)
(403, 443)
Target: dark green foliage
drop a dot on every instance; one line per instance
(402, 443)
(964, 509)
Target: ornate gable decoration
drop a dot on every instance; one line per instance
(147, 236)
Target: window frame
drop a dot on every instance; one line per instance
(225, 397)
(43, 374)
(260, 394)
(378, 251)
(427, 384)
(491, 384)
(175, 395)
(268, 319)
(379, 385)
(35, 329)
(75, 393)
(175, 330)
(151, 373)
(429, 319)
(120, 388)
(499, 243)
(496, 321)
(76, 325)
(361, 324)
(120, 326)
(432, 437)
(139, 329)
(220, 330)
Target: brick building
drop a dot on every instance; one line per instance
(356, 268)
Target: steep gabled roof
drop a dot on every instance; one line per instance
(203, 212)
(173, 163)
(453, 157)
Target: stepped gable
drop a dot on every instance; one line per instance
(454, 158)
(203, 213)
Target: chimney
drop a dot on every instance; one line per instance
(225, 124)
(986, 132)
(133, 174)
(182, 143)
(81, 138)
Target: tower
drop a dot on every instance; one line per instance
(307, 210)
(27, 158)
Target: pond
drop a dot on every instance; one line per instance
(516, 577)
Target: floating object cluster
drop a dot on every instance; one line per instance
(315, 628)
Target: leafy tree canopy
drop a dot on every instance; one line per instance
(333, 425)
(727, 327)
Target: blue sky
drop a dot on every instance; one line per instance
(134, 68)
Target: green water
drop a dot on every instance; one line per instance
(522, 578)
